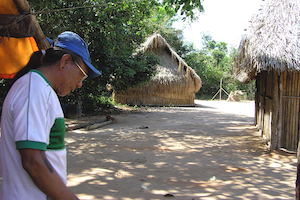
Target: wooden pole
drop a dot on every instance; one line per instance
(297, 107)
(298, 111)
(295, 112)
(298, 149)
(221, 89)
(298, 180)
(290, 114)
(215, 95)
(258, 90)
(257, 82)
(263, 101)
(275, 112)
(283, 92)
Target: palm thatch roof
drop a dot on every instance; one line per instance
(166, 72)
(174, 82)
(272, 41)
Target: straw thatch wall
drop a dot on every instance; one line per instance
(270, 54)
(175, 83)
(272, 40)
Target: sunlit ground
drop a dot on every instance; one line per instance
(210, 152)
(202, 152)
(243, 108)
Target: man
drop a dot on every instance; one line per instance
(32, 150)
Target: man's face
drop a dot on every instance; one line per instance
(74, 73)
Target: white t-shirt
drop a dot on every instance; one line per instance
(31, 118)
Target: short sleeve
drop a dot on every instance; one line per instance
(29, 111)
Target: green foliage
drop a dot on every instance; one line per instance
(186, 7)
(136, 69)
(175, 39)
(95, 104)
(214, 63)
(113, 31)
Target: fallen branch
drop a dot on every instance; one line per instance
(98, 125)
(92, 125)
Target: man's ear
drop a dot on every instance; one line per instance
(64, 60)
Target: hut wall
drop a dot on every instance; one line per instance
(290, 110)
(135, 96)
(277, 108)
(264, 104)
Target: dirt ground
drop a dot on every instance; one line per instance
(211, 151)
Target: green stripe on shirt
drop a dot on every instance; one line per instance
(26, 144)
(57, 134)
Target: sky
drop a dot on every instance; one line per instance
(224, 20)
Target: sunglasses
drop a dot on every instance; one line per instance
(84, 73)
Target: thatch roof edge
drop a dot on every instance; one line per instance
(156, 41)
(272, 41)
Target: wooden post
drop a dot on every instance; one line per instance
(263, 102)
(255, 103)
(275, 112)
(257, 82)
(298, 182)
(221, 89)
(282, 109)
(295, 111)
(290, 112)
(298, 174)
(259, 101)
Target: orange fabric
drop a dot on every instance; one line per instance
(14, 52)
(8, 7)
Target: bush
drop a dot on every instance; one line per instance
(213, 63)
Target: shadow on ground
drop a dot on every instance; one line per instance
(178, 153)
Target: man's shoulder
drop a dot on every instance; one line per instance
(33, 80)
(31, 84)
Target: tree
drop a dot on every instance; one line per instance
(113, 31)
(186, 7)
(213, 63)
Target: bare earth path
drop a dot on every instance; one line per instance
(211, 151)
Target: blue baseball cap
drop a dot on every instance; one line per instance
(73, 42)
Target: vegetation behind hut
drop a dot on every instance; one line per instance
(113, 29)
(213, 63)
(174, 83)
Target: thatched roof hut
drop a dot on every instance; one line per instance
(270, 54)
(272, 41)
(175, 83)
